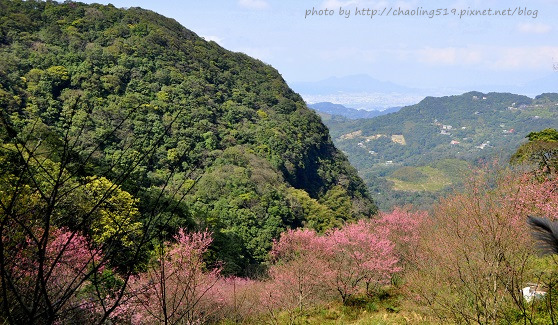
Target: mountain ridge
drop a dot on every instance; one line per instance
(351, 113)
(224, 131)
(464, 128)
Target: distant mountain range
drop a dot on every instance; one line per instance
(546, 84)
(365, 92)
(350, 113)
(359, 91)
(350, 84)
(362, 83)
(389, 151)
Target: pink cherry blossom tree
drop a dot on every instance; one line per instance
(176, 288)
(299, 275)
(67, 268)
(402, 227)
(359, 254)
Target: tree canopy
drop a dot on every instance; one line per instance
(137, 105)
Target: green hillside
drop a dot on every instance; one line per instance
(465, 129)
(93, 91)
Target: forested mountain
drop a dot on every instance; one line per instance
(413, 155)
(208, 138)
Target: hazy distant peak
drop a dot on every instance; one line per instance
(360, 83)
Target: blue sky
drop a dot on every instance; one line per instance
(443, 51)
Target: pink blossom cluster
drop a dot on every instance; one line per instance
(306, 268)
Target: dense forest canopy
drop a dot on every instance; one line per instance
(131, 98)
(541, 150)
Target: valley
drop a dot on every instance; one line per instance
(440, 138)
(150, 176)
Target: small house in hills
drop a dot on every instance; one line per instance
(533, 291)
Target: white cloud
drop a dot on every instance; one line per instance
(359, 3)
(534, 28)
(342, 54)
(474, 4)
(446, 56)
(372, 4)
(213, 38)
(253, 4)
(406, 5)
(450, 56)
(489, 57)
(337, 3)
(264, 54)
(539, 57)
